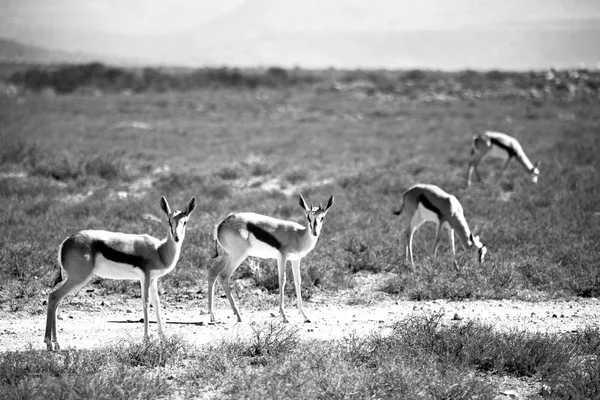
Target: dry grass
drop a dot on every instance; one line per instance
(420, 359)
(66, 162)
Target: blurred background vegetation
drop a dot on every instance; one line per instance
(92, 146)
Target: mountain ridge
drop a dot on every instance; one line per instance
(562, 43)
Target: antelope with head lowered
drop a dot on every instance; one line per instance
(249, 234)
(422, 203)
(503, 146)
(117, 255)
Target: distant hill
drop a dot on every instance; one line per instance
(14, 52)
(255, 36)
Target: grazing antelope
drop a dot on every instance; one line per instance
(422, 203)
(117, 255)
(499, 145)
(248, 234)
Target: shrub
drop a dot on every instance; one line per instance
(360, 257)
(16, 150)
(150, 353)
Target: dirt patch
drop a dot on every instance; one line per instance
(89, 321)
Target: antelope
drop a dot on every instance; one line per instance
(249, 234)
(422, 203)
(116, 255)
(499, 145)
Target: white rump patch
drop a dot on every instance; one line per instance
(112, 270)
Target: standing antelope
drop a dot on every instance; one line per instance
(499, 145)
(422, 203)
(248, 234)
(117, 255)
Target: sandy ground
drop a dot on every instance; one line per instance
(89, 323)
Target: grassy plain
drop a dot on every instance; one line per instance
(76, 161)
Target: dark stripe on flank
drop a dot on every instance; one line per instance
(429, 205)
(511, 152)
(117, 256)
(263, 235)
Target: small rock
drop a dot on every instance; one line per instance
(554, 316)
(457, 317)
(128, 310)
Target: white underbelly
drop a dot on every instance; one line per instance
(261, 249)
(296, 256)
(113, 270)
(426, 214)
(157, 273)
(497, 152)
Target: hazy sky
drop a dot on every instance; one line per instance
(143, 17)
(314, 33)
(137, 17)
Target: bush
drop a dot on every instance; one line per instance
(16, 150)
(67, 166)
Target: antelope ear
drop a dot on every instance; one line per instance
(329, 204)
(165, 205)
(303, 203)
(191, 206)
(487, 139)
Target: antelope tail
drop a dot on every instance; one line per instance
(399, 211)
(216, 249)
(59, 278)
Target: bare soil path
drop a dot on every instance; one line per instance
(88, 321)
(90, 324)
